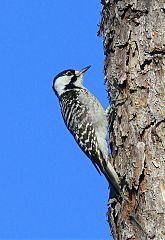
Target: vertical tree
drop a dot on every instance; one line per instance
(134, 47)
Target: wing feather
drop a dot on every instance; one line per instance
(77, 119)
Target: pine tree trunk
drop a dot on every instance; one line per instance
(134, 47)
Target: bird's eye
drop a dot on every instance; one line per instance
(69, 73)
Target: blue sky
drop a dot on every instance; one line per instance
(48, 188)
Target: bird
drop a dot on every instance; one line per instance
(86, 120)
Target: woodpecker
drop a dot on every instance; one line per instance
(86, 120)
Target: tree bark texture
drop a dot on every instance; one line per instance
(134, 48)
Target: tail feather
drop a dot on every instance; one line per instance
(111, 176)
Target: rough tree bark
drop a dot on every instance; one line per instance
(134, 47)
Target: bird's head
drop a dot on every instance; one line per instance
(68, 80)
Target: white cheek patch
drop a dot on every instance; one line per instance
(60, 84)
(63, 81)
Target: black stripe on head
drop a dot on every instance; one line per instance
(71, 85)
(73, 78)
(63, 73)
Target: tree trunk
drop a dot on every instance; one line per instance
(134, 47)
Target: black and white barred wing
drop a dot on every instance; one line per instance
(77, 119)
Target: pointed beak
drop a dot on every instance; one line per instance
(82, 71)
